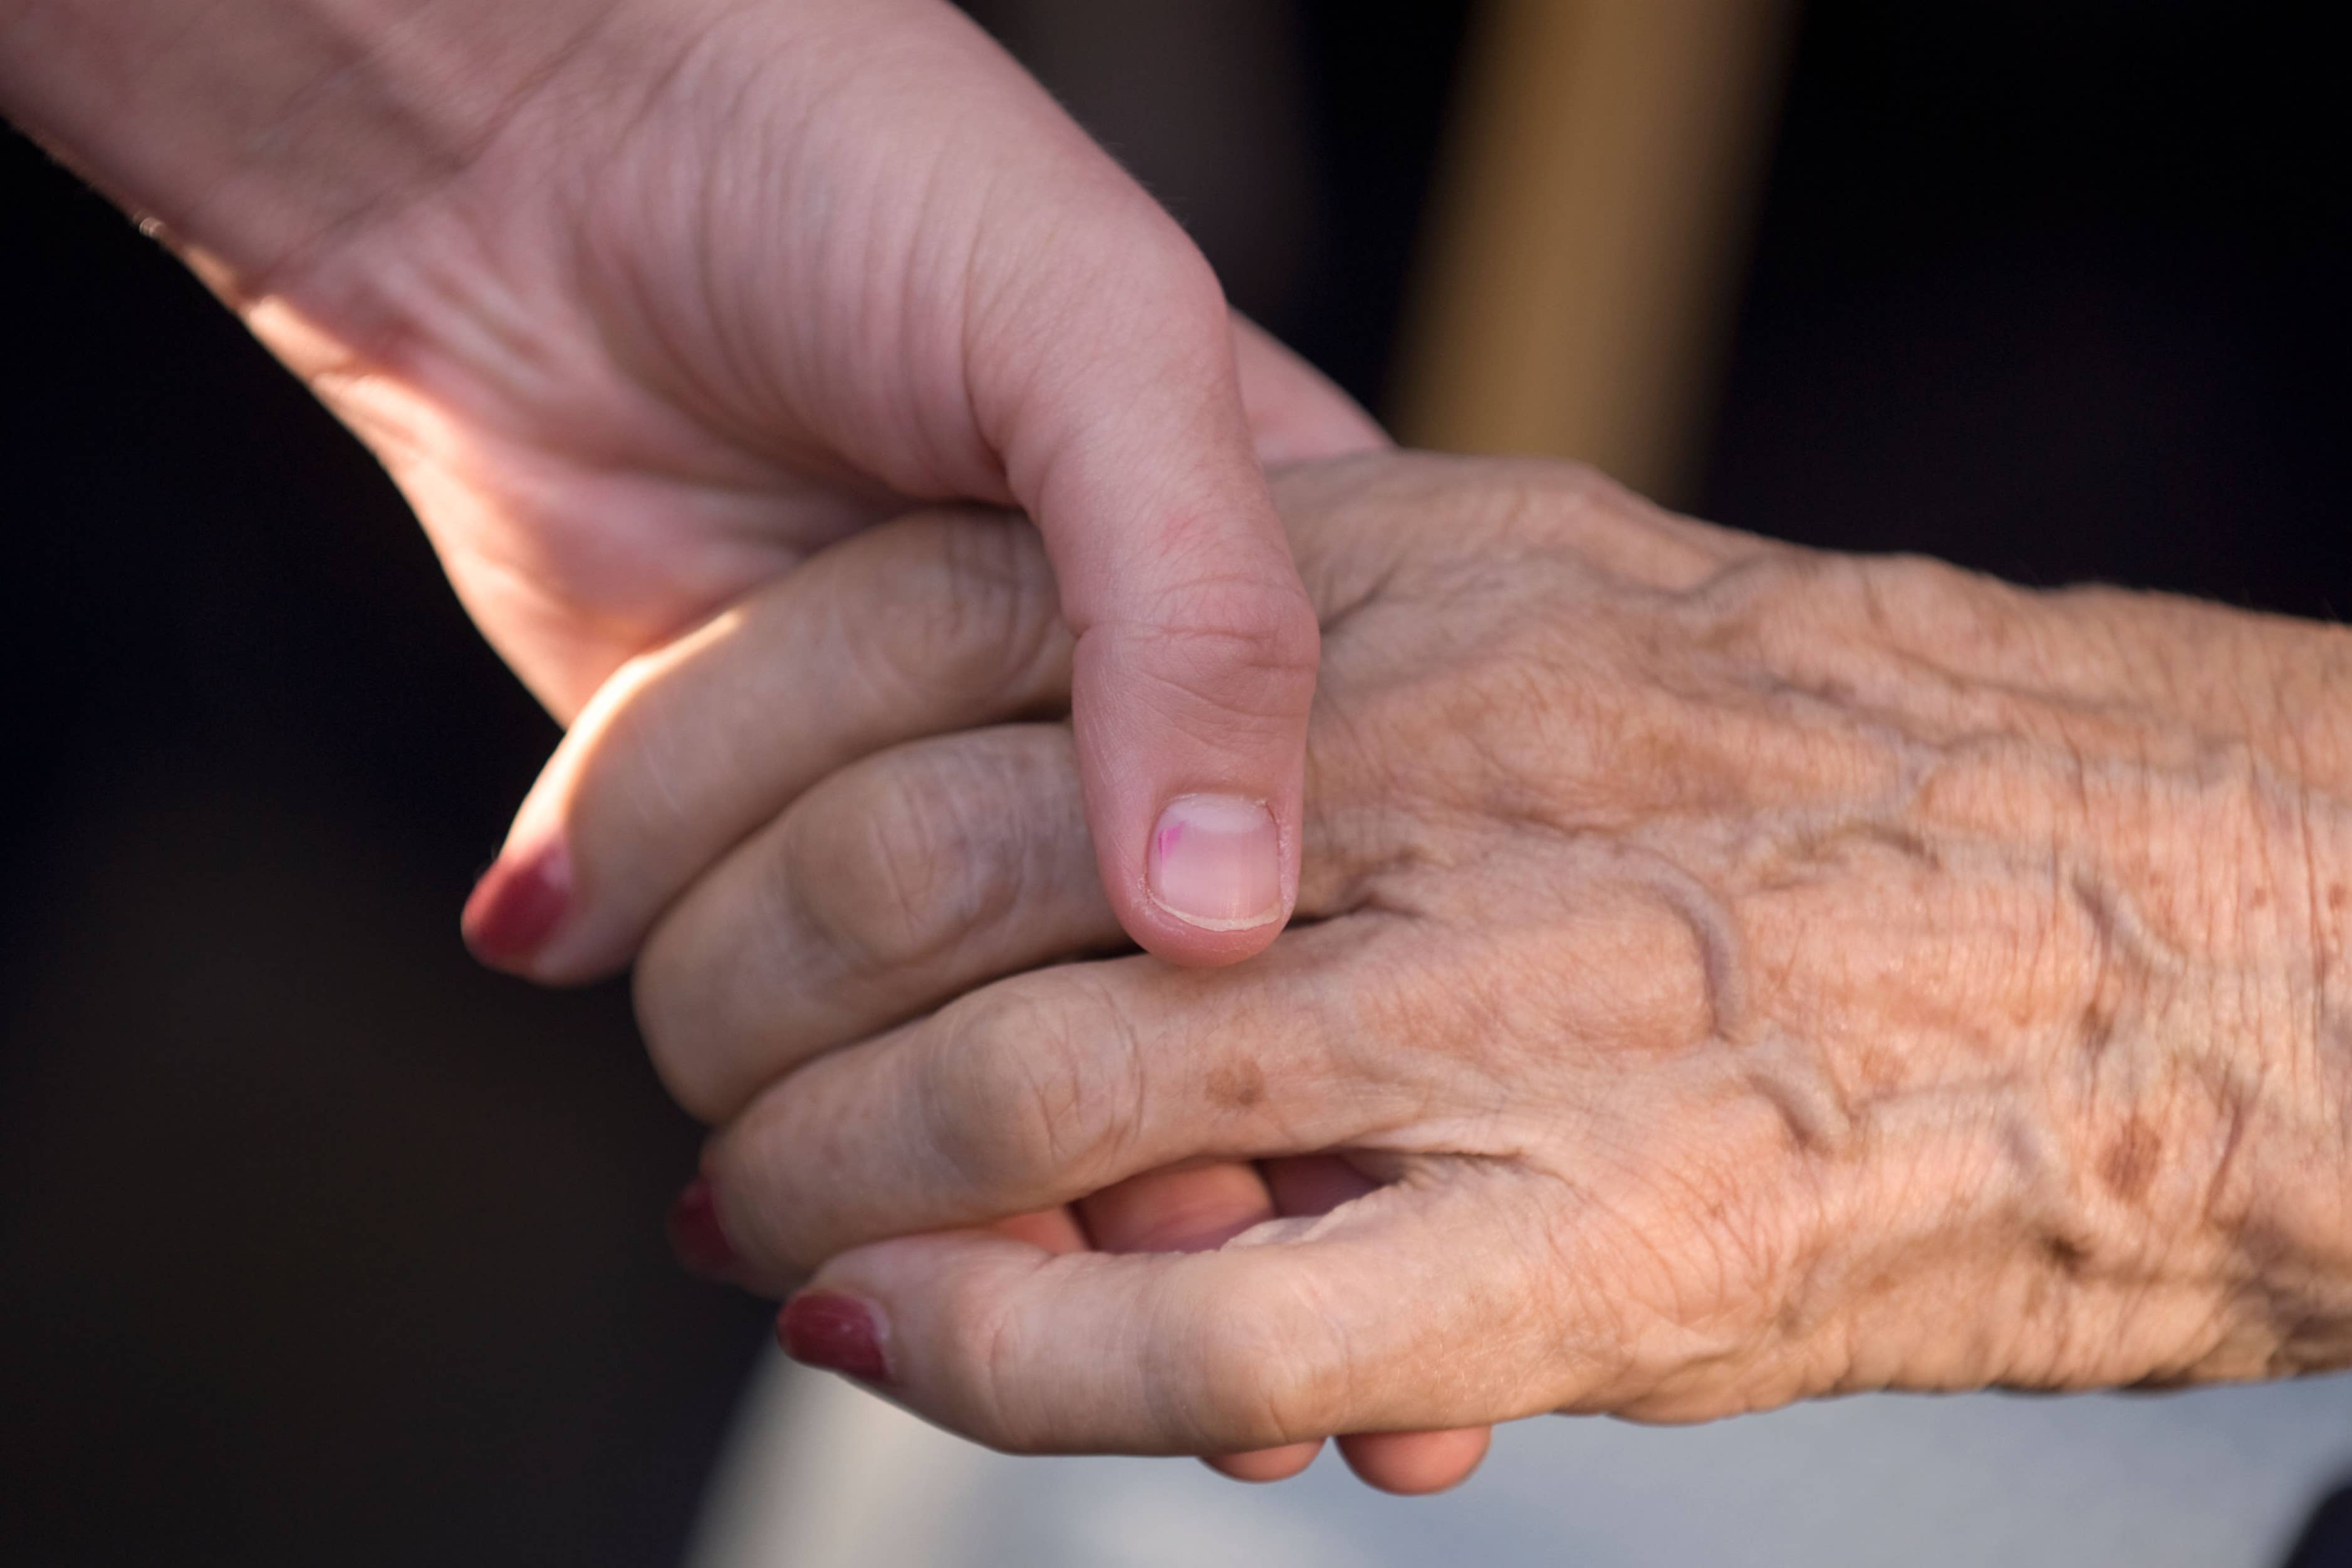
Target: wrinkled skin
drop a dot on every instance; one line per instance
(1749, 974)
(644, 301)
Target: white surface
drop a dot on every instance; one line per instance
(820, 1475)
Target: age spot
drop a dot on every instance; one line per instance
(2130, 1165)
(1237, 1087)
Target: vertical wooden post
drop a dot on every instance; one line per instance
(1589, 230)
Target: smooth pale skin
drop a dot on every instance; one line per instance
(642, 301)
(1751, 974)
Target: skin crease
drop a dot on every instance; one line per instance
(526, 325)
(1750, 975)
(645, 304)
(642, 302)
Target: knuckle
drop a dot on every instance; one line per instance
(976, 610)
(986, 1368)
(1547, 501)
(1133, 240)
(1567, 494)
(1267, 1367)
(887, 871)
(1030, 1093)
(1266, 617)
(1185, 285)
(1244, 646)
(1609, 530)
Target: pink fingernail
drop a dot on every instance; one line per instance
(1216, 862)
(837, 1332)
(517, 906)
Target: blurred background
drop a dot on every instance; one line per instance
(319, 1245)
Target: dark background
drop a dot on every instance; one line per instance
(319, 1245)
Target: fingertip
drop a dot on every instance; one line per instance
(1219, 867)
(516, 908)
(1183, 1208)
(1199, 853)
(1190, 701)
(836, 1332)
(1214, 865)
(1416, 1463)
(1219, 877)
(1190, 947)
(1262, 1466)
(697, 1238)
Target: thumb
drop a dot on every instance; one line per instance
(1196, 643)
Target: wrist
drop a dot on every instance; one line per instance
(2290, 1215)
(2139, 811)
(253, 132)
(2216, 1107)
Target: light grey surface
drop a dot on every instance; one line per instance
(824, 1476)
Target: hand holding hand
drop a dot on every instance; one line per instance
(643, 303)
(1748, 973)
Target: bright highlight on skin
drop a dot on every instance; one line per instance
(1216, 862)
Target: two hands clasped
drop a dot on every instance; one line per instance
(1722, 974)
(1715, 974)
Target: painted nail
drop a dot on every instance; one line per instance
(517, 906)
(1216, 862)
(837, 1332)
(695, 1236)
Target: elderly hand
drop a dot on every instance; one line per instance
(1749, 974)
(642, 303)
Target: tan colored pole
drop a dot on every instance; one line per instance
(1590, 228)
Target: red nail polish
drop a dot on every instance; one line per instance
(694, 1235)
(837, 1332)
(517, 906)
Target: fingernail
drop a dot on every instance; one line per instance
(517, 906)
(837, 1332)
(1216, 862)
(695, 1236)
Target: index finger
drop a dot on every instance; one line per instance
(937, 622)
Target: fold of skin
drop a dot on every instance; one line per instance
(1754, 974)
(642, 302)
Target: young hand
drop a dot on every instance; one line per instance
(642, 301)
